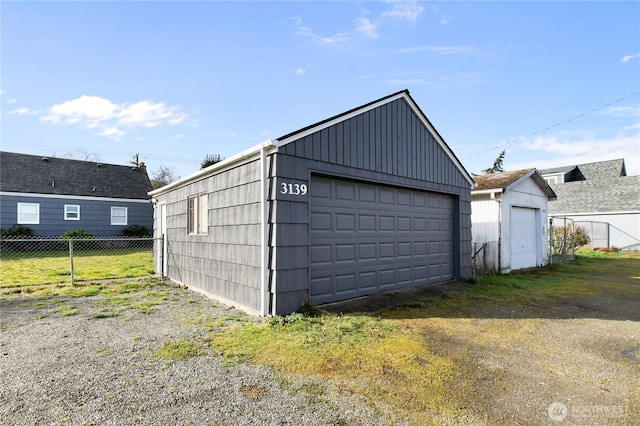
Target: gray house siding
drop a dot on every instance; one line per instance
(95, 214)
(387, 143)
(226, 261)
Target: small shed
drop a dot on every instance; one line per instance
(366, 201)
(509, 217)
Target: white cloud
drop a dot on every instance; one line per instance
(405, 10)
(113, 119)
(300, 70)
(12, 101)
(567, 148)
(322, 40)
(443, 19)
(627, 58)
(24, 111)
(367, 28)
(623, 111)
(439, 50)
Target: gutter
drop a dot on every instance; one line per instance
(218, 167)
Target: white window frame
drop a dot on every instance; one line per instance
(26, 217)
(114, 217)
(68, 212)
(198, 214)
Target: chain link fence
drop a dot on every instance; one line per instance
(562, 240)
(34, 261)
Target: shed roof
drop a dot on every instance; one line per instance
(35, 174)
(507, 180)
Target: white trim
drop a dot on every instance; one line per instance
(264, 288)
(73, 197)
(416, 110)
(487, 191)
(339, 119)
(594, 213)
(126, 216)
(28, 222)
(65, 212)
(246, 156)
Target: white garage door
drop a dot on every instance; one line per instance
(524, 253)
(367, 238)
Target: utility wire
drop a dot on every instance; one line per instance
(560, 123)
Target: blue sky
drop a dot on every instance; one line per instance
(552, 83)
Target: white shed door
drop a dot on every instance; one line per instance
(367, 238)
(524, 241)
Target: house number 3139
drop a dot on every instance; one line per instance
(293, 188)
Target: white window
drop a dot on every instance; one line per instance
(71, 212)
(551, 179)
(28, 213)
(198, 212)
(118, 215)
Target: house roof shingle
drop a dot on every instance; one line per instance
(589, 171)
(597, 196)
(36, 174)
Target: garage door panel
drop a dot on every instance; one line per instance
(382, 238)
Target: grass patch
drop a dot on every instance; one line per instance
(66, 310)
(178, 350)
(404, 358)
(33, 268)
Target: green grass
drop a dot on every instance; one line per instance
(178, 350)
(395, 356)
(19, 269)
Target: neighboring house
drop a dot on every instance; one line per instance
(366, 201)
(509, 214)
(601, 198)
(52, 195)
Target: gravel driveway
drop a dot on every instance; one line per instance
(61, 368)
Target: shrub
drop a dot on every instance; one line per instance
(580, 238)
(75, 234)
(17, 231)
(136, 231)
(79, 234)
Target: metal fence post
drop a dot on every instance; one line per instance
(71, 259)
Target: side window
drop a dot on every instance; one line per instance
(28, 213)
(198, 222)
(118, 215)
(71, 212)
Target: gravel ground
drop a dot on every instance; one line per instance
(79, 370)
(564, 364)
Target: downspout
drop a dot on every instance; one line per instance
(264, 249)
(499, 200)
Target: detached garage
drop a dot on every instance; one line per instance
(366, 201)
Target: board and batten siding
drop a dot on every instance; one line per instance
(387, 145)
(95, 214)
(226, 262)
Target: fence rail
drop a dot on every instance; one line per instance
(32, 261)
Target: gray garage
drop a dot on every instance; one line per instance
(369, 200)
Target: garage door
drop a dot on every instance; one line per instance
(523, 238)
(367, 238)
